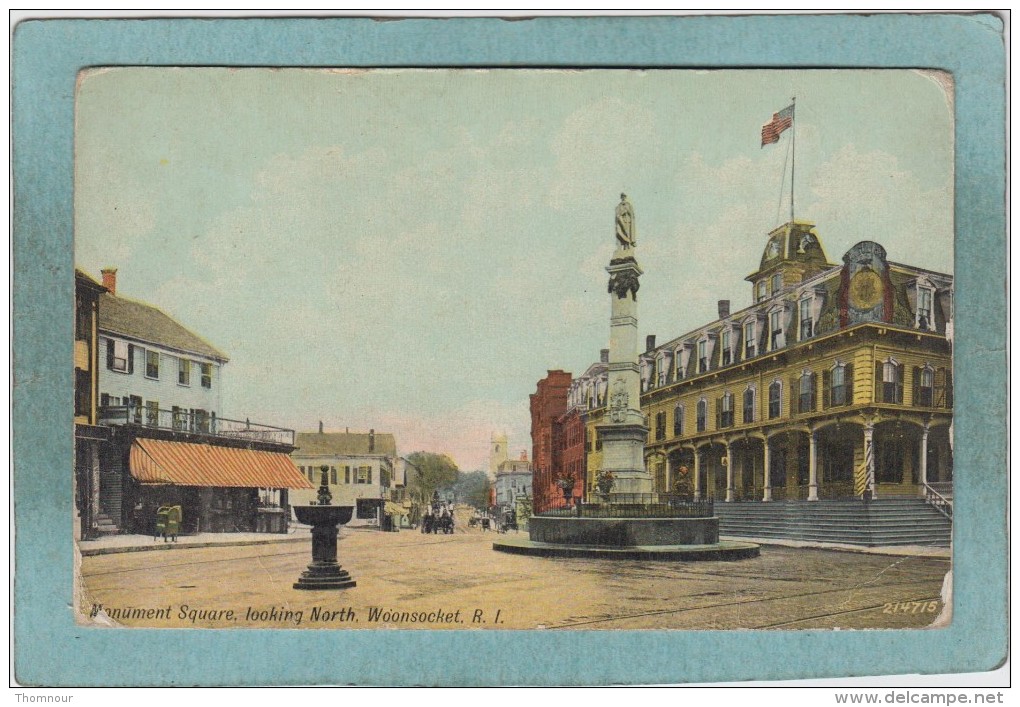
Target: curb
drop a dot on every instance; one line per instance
(92, 551)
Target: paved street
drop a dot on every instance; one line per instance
(408, 580)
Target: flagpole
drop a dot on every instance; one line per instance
(793, 165)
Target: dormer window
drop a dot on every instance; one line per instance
(924, 315)
(750, 341)
(662, 366)
(727, 355)
(702, 356)
(777, 283)
(807, 324)
(762, 294)
(776, 339)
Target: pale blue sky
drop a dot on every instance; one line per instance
(411, 250)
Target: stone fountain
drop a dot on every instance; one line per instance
(324, 572)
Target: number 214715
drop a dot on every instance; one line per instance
(910, 607)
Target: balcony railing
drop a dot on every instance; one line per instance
(193, 422)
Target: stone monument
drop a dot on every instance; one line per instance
(624, 435)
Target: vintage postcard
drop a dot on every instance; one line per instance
(467, 351)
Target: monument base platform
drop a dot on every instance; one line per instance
(623, 531)
(725, 550)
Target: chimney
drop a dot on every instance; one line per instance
(724, 308)
(649, 342)
(604, 356)
(110, 279)
(320, 427)
(371, 441)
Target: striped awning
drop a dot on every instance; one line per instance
(155, 461)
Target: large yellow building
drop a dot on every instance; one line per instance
(835, 382)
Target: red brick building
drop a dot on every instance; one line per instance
(569, 451)
(548, 403)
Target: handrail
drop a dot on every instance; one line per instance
(184, 420)
(938, 501)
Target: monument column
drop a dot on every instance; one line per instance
(624, 436)
(813, 466)
(767, 478)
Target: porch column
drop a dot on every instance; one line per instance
(924, 457)
(869, 461)
(767, 478)
(729, 473)
(813, 466)
(697, 475)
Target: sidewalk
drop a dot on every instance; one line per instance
(894, 550)
(112, 544)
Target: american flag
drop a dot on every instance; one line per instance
(780, 122)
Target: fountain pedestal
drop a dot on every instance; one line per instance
(324, 572)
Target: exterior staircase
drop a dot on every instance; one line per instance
(886, 521)
(105, 525)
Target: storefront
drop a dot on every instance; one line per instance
(220, 489)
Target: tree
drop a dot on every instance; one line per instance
(432, 472)
(472, 488)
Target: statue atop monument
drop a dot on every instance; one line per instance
(626, 233)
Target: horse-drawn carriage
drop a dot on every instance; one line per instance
(438, 518)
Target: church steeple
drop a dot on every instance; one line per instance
(792, 254)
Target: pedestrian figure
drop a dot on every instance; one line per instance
(162, 519)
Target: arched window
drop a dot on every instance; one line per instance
(837, 385)
(660, 426)
(725, 410)
(775, 399)
(889, 375)
(702, 415)
(924, 385)
(678, 421)
(749, 405)
(806, 396)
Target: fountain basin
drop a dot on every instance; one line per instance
(323, 515)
